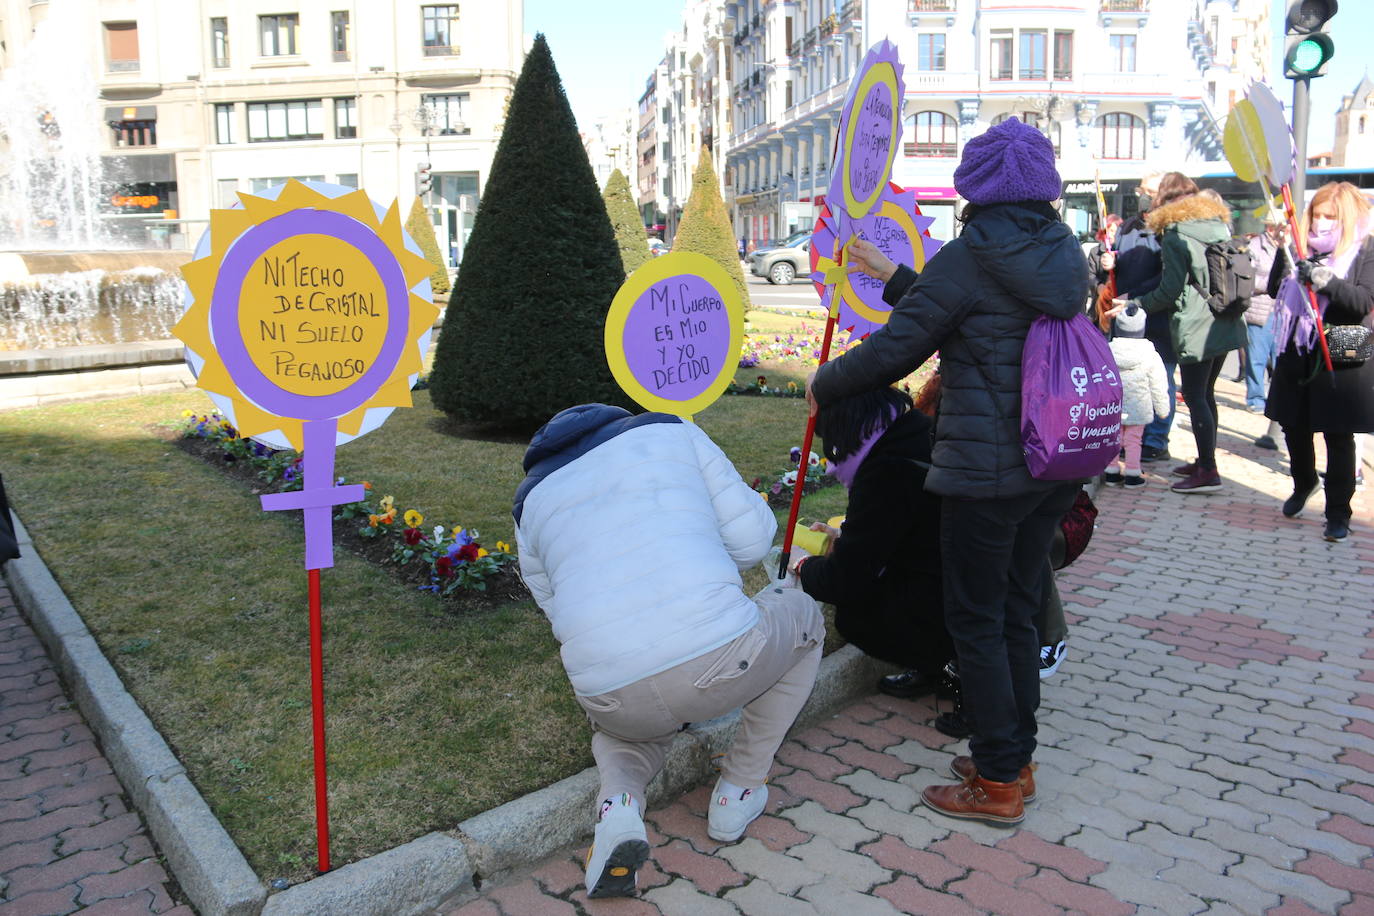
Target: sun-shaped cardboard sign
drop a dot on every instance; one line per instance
(898, 229)
(309, 308)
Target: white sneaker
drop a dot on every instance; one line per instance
(729, 815)
(1051, 657)
(619, 846)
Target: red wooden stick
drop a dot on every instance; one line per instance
(806, 443)
(317, 704)
(1302, 253)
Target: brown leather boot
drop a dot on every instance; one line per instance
(979, 799)
(963, 768)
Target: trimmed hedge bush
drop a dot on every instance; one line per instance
(629, 229)
(705, 226)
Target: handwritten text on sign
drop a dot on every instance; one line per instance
(872, 146)
(677, 337)
(313, 314)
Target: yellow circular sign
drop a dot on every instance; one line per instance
(874, 161)
(673, 333)
(313, 314)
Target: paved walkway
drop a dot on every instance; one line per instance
(68, 841)
(1208, 746)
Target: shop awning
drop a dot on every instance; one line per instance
(131, 113)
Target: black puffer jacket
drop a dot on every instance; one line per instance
(974, 302)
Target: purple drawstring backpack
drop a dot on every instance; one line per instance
(1070, 400)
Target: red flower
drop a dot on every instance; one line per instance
(763, 380)
(413, 536)
(467, 552)
(444, 567)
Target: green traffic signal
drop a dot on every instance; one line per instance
(1308, 55)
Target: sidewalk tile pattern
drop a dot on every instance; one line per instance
(68, 841)
(1207, 747)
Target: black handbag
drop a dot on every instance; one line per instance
(1349, 344)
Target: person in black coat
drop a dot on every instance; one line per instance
(882, 572)
(1303, 397)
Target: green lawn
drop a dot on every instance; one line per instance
(198, 597)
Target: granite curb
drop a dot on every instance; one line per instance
(443, 867)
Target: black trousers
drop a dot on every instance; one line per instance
(994, 555)
(1340, 467)
(1198, 382)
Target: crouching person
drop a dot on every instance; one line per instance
(632, 533)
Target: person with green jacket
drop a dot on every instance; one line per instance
(1187, 220)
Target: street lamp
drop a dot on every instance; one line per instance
(424, 118)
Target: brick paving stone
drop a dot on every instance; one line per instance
(1072, 863)
(866, 783)
(1290, 885)
(759, 898)
(1240, 893)
(526, 898)
(909, 896)
(1294, 908)
(992, 896)
(620, 906)
(817, 739)
(783, 873)
(58, 902)
(822, 766)
(844, 832)
(978, 858)
(1167, 843)
(33, 852)
(777, 833)
(681, 897)
(1055, 889)
(709, 874)
(930, 869)
(916, 831)
(63, 871)
(871, 736)
(848, 869)
(1358, 879)
(832, 796)
(884, 765)
(1250, 844)
(479, 907)
(831, 898)
(136, 904)
(1141, 888)
(560, 876)
(1360, 904)
(1321, 842)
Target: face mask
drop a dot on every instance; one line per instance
(1324, 235)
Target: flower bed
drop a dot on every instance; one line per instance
(449, 562)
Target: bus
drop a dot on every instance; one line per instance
(1245, 197)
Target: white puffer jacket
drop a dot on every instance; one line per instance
(632, 532)
(1144, 386)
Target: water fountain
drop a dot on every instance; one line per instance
(71, 296)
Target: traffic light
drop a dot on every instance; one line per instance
(424, 180)
(1308, 48)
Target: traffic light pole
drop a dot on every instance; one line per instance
(1301, 89)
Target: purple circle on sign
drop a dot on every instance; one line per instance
(868, 154)
(677, 337)
(224, 307)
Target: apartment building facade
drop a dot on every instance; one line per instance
(202, 100)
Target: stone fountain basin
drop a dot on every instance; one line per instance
(22, 265)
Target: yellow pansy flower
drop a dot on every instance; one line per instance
(482, 552)
(414, 519)
(372, 521)
(386, 503)
(503, 546)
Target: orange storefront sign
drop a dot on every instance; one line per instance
(146, 201)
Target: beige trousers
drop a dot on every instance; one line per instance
(769, 671)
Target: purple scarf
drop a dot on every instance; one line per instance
(1293, 310)
(845, 468)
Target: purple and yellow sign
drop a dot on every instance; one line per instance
(673, 333)
(308, 318)
(869, 132)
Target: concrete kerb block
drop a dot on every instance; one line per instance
(207, 864)
(413, 878)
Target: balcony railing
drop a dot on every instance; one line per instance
(122, 66)
(935, 6)
(931, 150)
(441, 50)
(1125, 6)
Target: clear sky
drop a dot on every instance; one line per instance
(1350, 30)
(605, 50)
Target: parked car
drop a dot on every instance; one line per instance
(785, 263)
(658, 247)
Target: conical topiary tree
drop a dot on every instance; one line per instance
(422, 231)
(629, 230)
(522, 336)
(705, 226)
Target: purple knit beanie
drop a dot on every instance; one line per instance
(1009, 162)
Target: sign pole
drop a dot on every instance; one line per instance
(317, 714)
(804, 460)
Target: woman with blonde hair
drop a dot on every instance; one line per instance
(1303, 397)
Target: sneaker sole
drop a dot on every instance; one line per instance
(618, 875)
(1209, 488)
(1329, 539)
(990, 819)
(1025, 799)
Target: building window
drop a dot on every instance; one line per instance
(440, 30)
(224, 123)
(1032, 63)
(348, 179)
(303, 120)
(135, 133)
(338, 34)
(935, 134)
(448, 113)
(930, 52)
(121, 47)
(262, 184)
(1063, 55)
(277, 34)
(228, 192)
(1000, 56)
(345, 118)
(219, 41)
(1123, 136)
(1042, 123)
(1123, 53)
